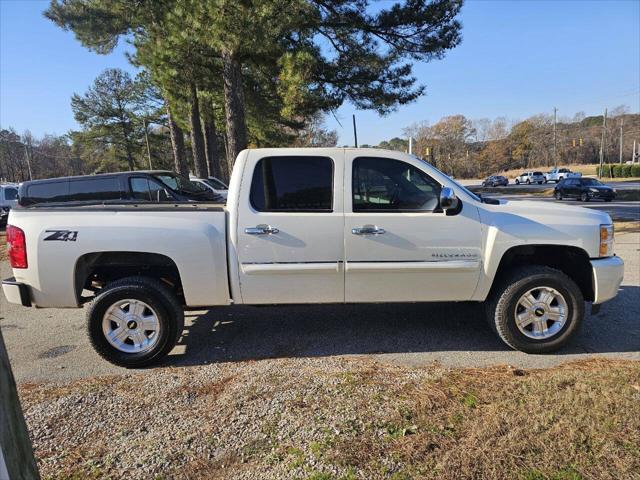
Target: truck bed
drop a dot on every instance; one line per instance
(190, 235)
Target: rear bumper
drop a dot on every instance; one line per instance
(16, 292)
(607, 277)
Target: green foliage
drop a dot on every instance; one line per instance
(615, 170)
(111, 113)
(297, 57)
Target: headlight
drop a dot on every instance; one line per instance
(606, 240)
(594, 190)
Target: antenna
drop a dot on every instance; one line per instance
(355, 131)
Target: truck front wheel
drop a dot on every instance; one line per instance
(536, 309)
(135, 322)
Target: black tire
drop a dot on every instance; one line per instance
(584, 197)
(517, 182)
(501, 307)
(154, 293)
(558, 195)
(608, 199)
(528, 182)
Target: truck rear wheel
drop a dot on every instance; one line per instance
(536, 309)
(135, 322)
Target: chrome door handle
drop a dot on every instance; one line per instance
(367, 230)
(261, 229)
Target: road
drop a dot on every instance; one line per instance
(617, 210)
(621, 185)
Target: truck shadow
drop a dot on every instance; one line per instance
(230, 334)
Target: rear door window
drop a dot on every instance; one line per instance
(293, 184)
(99, 189)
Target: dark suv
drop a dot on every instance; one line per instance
(584, 189)
(148, 186)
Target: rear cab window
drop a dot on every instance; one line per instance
(292, 184)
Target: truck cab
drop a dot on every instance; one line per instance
(308, 226)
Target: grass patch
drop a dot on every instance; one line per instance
(579, 420)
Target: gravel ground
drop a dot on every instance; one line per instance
(341, 419)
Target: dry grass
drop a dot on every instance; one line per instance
(627, 226)
(325, 419)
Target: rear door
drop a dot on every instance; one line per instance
(290, 221)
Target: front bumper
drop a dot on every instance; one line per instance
(607, 277)
(16, 292)
(602, 195)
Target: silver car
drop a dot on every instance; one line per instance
(530, 177)
(8, 200)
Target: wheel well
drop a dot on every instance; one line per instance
(95, 270)
(573, 261)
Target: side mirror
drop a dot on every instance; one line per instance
(448, 199)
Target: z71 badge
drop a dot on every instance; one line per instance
(61, 235)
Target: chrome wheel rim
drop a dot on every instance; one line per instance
(541, 313)
(131, 326)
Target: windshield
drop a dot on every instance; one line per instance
(180, 184)
(10, 194)
(590, 182)
(215, 183)
(462, 187)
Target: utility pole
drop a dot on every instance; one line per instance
(604, 129)
(555, 159)
(28, 157)
(621, 124)
(146, 137)
(355, 131)
(410, 145)
(633, 154)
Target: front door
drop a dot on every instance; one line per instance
(399, 245)
(290, 222)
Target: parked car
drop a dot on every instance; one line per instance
(8, 200)
(558, 174)
(584, 189)
(321, 225)
(154, 186)
(496, 181)
(212, 183)
(530, 177)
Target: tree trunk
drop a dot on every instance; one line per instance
(211, 140)
(16, 453)
(234, 107)
(197, 140)
(177, 143)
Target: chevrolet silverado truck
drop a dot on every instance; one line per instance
(559, 174)
(311, 226)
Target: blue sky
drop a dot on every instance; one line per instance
(517, 58)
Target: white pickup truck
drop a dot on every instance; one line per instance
(559, 174)
(313, 226)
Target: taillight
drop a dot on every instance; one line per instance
(16, 247)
